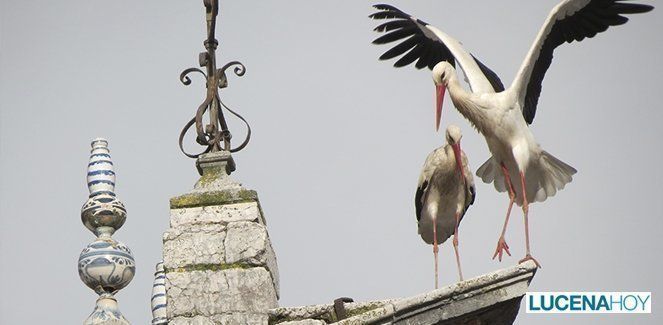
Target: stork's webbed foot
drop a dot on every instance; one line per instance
(501, 248)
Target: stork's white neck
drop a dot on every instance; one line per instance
(465, 105)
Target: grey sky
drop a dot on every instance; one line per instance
(339, 140)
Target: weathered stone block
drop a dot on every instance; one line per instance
(209, 293)
(198, 320)
(272, 267)
(248, 211)
(304, 322)
(241, 319)
(248, 243)
(225, 319)
(197, 244)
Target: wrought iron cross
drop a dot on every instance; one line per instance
(216, 130)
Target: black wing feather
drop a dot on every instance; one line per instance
(492, 77)
(594, 18)
(393, 36)
(419, 199)
(424, 58)
(428, 52)
(399, 49)
(410, 57)
(469, 200)
(391, 25)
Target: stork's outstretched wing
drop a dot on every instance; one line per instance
(571, 20)
(428, 46)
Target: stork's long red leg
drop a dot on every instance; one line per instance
(455, 242)
(528, 255)
(435, 247)
(501, 243)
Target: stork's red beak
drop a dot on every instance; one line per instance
(459, 159)
(439, 92)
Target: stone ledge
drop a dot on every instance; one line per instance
(304, 322)
(215, 214)
(222, 319)
(208, 267)
(323, 312)
(200, 199)
(493, 298)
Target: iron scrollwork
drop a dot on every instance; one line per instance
(216, 131)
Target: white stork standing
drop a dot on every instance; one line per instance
(503, 115)
(444, 193)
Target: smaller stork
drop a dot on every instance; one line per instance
(445, 192)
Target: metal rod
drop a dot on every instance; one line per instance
(216, 130)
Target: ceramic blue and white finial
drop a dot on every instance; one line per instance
(103, 213)
(105, 265)
(100, 173)
(158, 300)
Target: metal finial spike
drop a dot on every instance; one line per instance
(100, 173)
(213, 134)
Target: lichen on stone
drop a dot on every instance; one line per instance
(324, 313)
(211, 174)
(209, 267)
(361, 310)
(212, 198)
(325, 316)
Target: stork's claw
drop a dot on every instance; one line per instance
(529, 257)
(501, 248)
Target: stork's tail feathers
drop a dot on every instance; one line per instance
(547, 177)
(543, 178)
(490, 172)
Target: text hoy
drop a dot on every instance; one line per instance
(588, 302)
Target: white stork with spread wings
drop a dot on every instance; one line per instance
(503, 115)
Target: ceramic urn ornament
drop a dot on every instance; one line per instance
(105, 265)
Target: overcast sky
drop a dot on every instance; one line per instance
(339, 140)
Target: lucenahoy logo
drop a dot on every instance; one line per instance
(588, 302)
